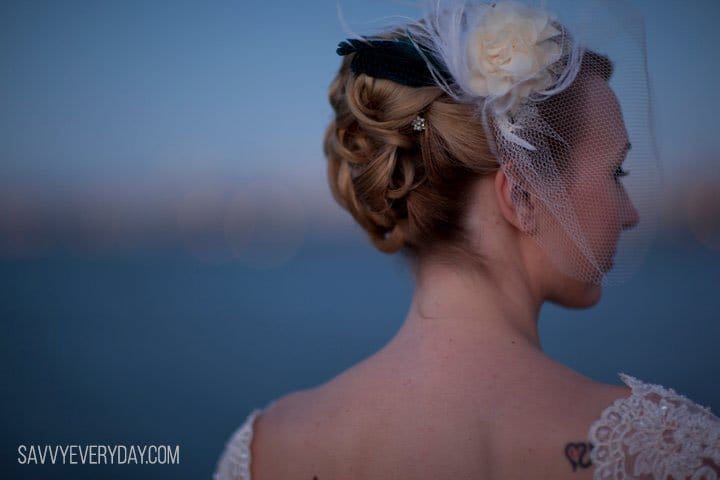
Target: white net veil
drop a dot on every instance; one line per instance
(562, 92)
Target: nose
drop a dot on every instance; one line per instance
(630, 215)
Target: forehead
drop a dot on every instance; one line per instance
(600, 115)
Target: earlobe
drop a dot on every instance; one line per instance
(515, 203)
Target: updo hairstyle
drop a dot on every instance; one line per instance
(409, 190)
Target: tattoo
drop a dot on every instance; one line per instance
(575, 453)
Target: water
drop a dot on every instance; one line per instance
(159, 348)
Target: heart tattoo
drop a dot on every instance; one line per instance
(575, 453)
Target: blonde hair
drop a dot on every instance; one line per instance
(409, 190)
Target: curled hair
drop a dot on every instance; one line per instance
(409, 190)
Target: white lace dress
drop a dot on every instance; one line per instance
(655, 433)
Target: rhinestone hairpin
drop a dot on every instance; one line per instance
(418, 124)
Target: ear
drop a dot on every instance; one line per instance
(515, 202)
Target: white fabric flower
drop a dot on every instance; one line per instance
(510, 49)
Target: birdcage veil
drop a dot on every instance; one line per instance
(562, 92)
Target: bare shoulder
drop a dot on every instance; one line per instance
(549, 425)
(574, 388)
(292, 437)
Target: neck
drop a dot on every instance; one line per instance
(474, 306)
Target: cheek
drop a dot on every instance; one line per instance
(597, 207)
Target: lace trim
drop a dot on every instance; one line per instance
(234, 463)
(657, 432)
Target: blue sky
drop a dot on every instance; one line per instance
(158, 92)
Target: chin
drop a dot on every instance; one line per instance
(577, 294)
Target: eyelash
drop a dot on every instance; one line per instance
(619, 172)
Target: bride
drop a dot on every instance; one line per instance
(485, 144)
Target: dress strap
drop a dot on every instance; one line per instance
(234, 463)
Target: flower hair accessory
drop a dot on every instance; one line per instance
(496, 56)
(511, 48)
(418, 123)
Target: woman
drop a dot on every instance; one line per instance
(484, 144)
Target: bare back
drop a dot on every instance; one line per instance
(391, 418)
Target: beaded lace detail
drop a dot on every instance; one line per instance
(655, 433)
(234, 463)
